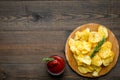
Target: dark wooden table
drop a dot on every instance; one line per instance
(31, 30)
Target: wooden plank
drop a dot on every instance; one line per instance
(31, 42)
(36, 37)
(58, 15)
(38, 71)
(22, 52)
(10, 8)
(33, 59)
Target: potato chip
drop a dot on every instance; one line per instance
(83, 69)
(97, 68)
(104, 52)
(96, 71)
(78, 52)
(80, 45)
(82, 35)
(78, 35)
(91, 69)
(71, 42)
(87, 46)
(107, 44)
(107, 61)
(73, 49)
(96, 60)
(84, 47)
(86, 60)
(103, 31)
(94, 37)
(79, 62)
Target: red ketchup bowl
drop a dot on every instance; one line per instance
(55, 65)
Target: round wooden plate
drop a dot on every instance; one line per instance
(111, 38)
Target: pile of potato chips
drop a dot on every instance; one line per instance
(82, 46)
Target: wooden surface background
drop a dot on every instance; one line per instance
(31, 30)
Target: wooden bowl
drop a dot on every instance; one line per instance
(93, 27)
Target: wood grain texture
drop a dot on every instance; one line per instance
(31, 30)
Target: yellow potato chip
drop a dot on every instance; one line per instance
(86, 60)
(103, 31)
(78, 52)
(82, 35)
(83, 69)
(94, 37)
(107, 61)
(107, 44)
(91, 69)
(71, 42)
(104, 52)
(82, 59)
(84, 47)
(87, 46)
(73, 49)
(96, 60)
(95, 73)
(96, 70)
(78, 60)
(80, 45)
